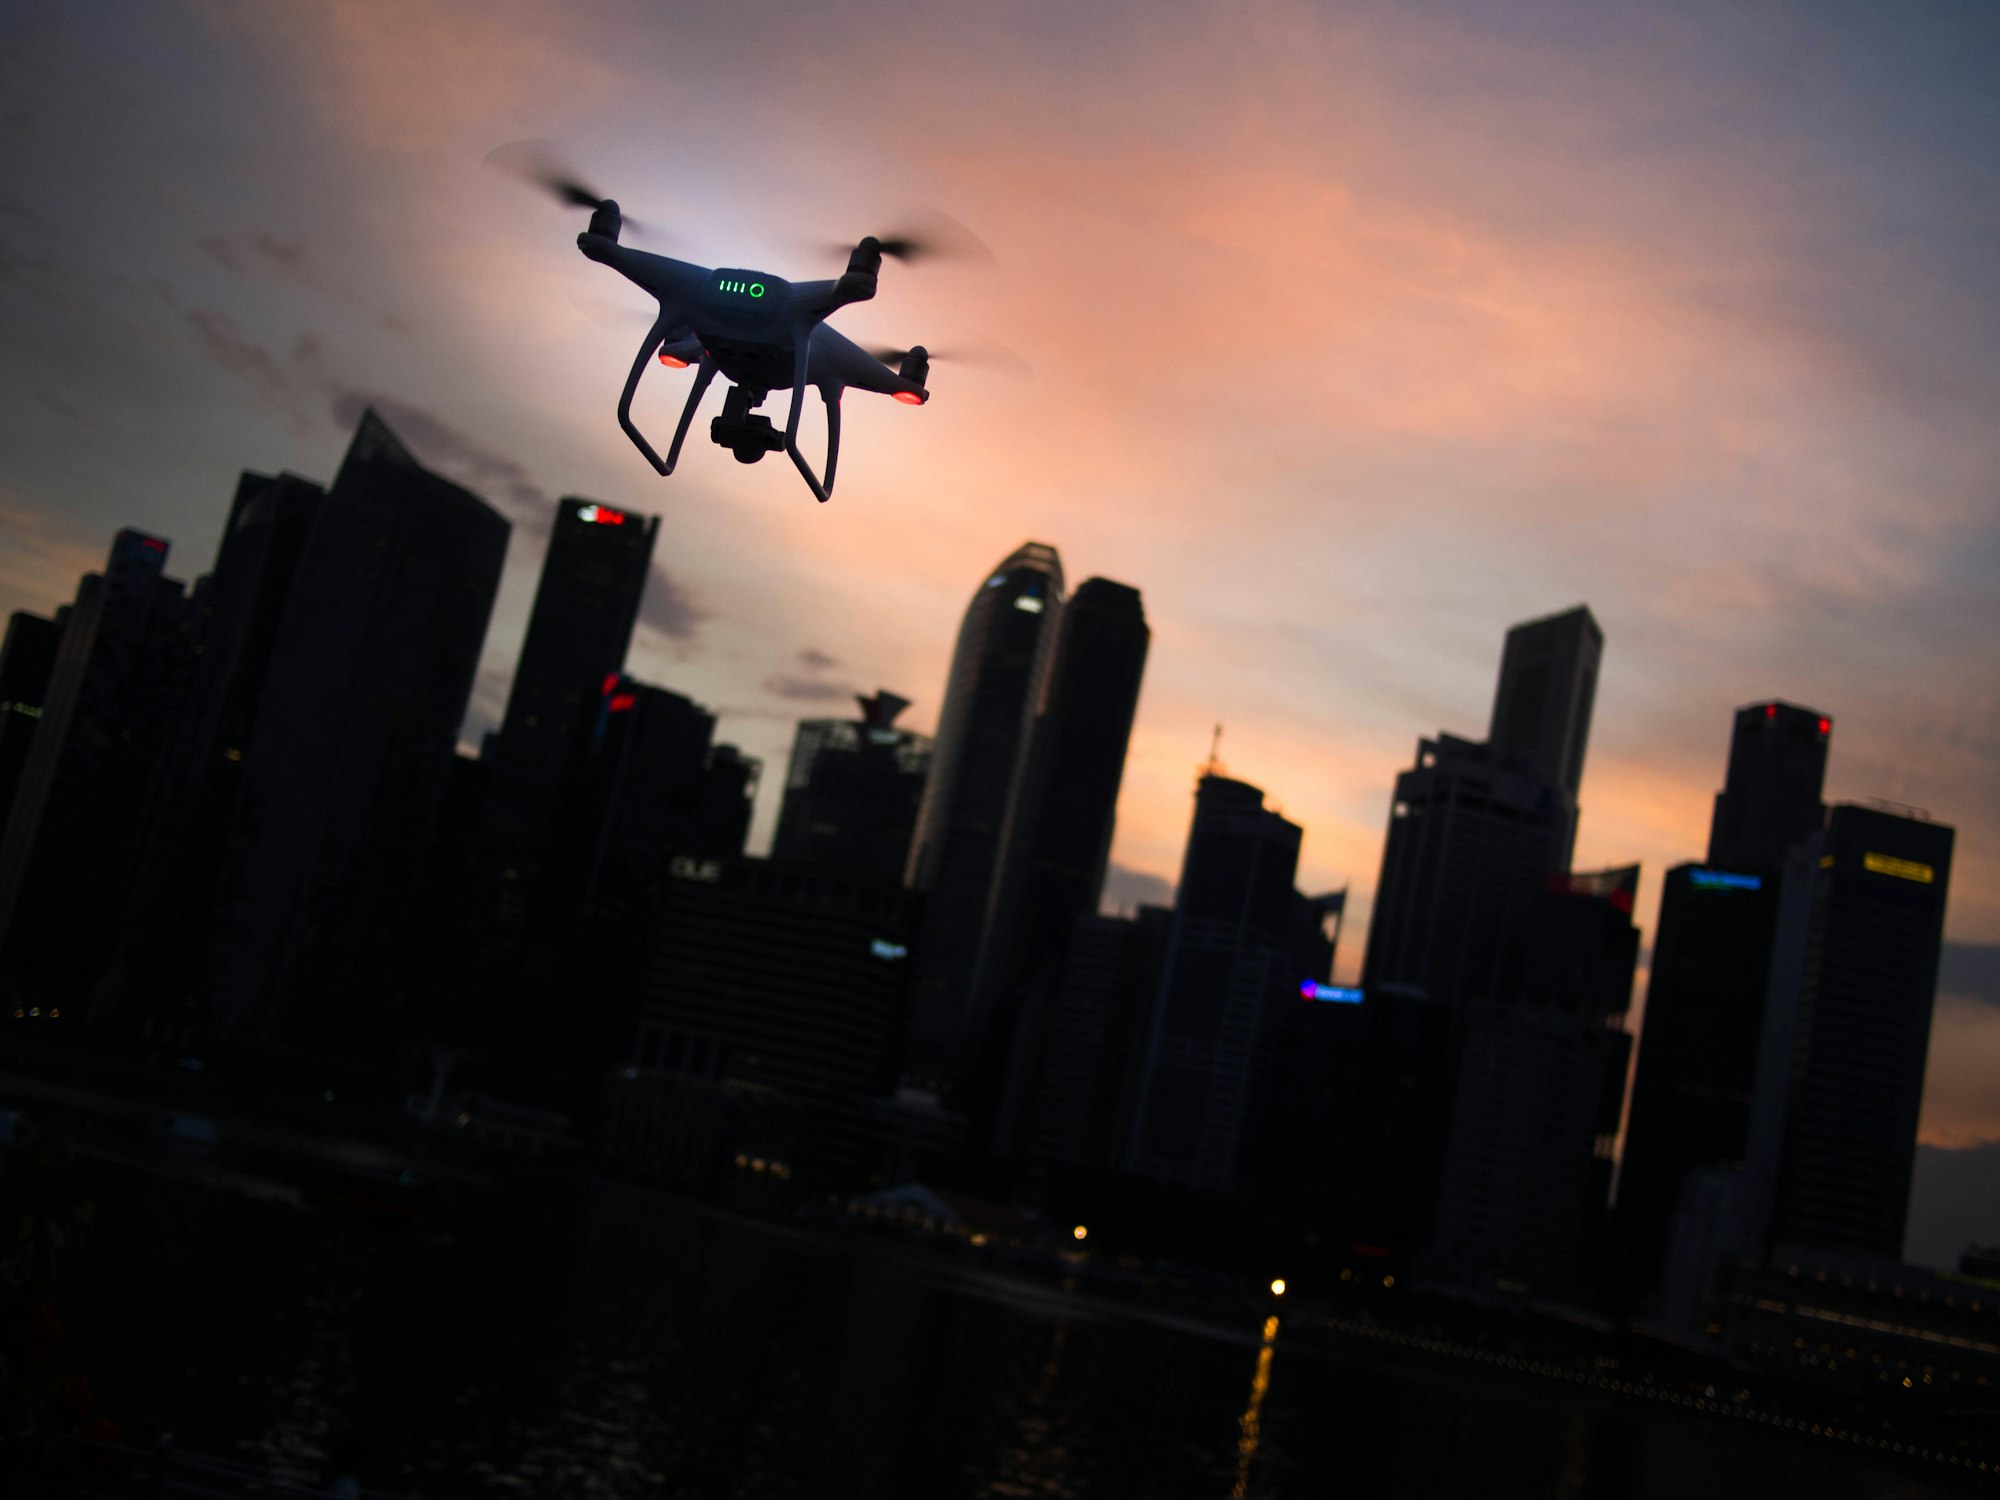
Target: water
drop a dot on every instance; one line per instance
(590, 1340)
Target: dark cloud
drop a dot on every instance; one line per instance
(806, 689)
(286, 255)
(667, 609)
(1971, 971)
(808, 684)
(1125, 889)
(224, 343)
(222, 252)
(439, 445)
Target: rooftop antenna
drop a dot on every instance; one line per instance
(1214, 766)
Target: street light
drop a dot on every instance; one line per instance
(1278, 1287)
(1081, 1232)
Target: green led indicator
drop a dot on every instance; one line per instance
(742, 288)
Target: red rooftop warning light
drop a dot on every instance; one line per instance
(1770, 710)
(1826, 726)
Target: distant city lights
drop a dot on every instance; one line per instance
(883, 948)
(601, 515)
(1724, 880)
(1081, 1232)
(1338, 994)
(1030, 603)
(1278, 1287)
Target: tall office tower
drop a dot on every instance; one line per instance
(852, 791)
(1088, 1083)
(997, 674)
(784, 979)
(1542, 703)
(1231, 970)
(585, 606)
(27, 661)
(1056, 844)
(1475, 830)
(1777, 765)
(1840, 1078)
(356, 726)
(1473, 834)
(1540, 1087)
(1711, 970)
(65, 859)
(164, 955)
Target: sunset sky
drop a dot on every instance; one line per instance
(1349, 334)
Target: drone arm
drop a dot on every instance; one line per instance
(701, 381)
(654, 336)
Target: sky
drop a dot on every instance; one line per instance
(1349, 334)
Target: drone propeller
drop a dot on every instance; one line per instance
(934, 236)
(536, 163)
(987, 356)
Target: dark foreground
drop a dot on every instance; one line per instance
(584, 1338)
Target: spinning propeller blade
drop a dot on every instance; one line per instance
(987, 356)
(928, 235)
(536, 163)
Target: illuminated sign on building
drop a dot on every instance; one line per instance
(601, 515)
(1902, 869)
(1312, 989)
(1723, 880)
(687, 867)
(883, 948)
(1030, 603)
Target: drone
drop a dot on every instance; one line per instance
(758, 331)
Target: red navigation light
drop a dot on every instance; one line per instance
(671, 362)
(908, 398)
(1826, 726)
(610, 684)
(623, 702)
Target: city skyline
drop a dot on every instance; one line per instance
(1830, 493)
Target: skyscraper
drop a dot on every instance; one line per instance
(585, 604)
(1475, 833)
(997, 673)
(852, 791)
(1711, 971)
(368, 681)
(27, 661)
(1057, 841)
(1777, 764)
(1541, 1085)
(1847, 1029)
(65, 857)
(1231, 971)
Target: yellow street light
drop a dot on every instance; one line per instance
(1081, 1232)
(1278, 1287)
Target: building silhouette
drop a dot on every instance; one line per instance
(1711, 971)
(1087, 1086)
(852, 791)
(66, 858)
(585, 605)
(1847, 1029)
(1056, 844)
(998, 669)
(27, 662)
(784, 980)
(1771, 798)
(1475, 833)
(356, 726)
(194, 830)
(1542, 704)
(1539, 1093)
(1232, 969)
